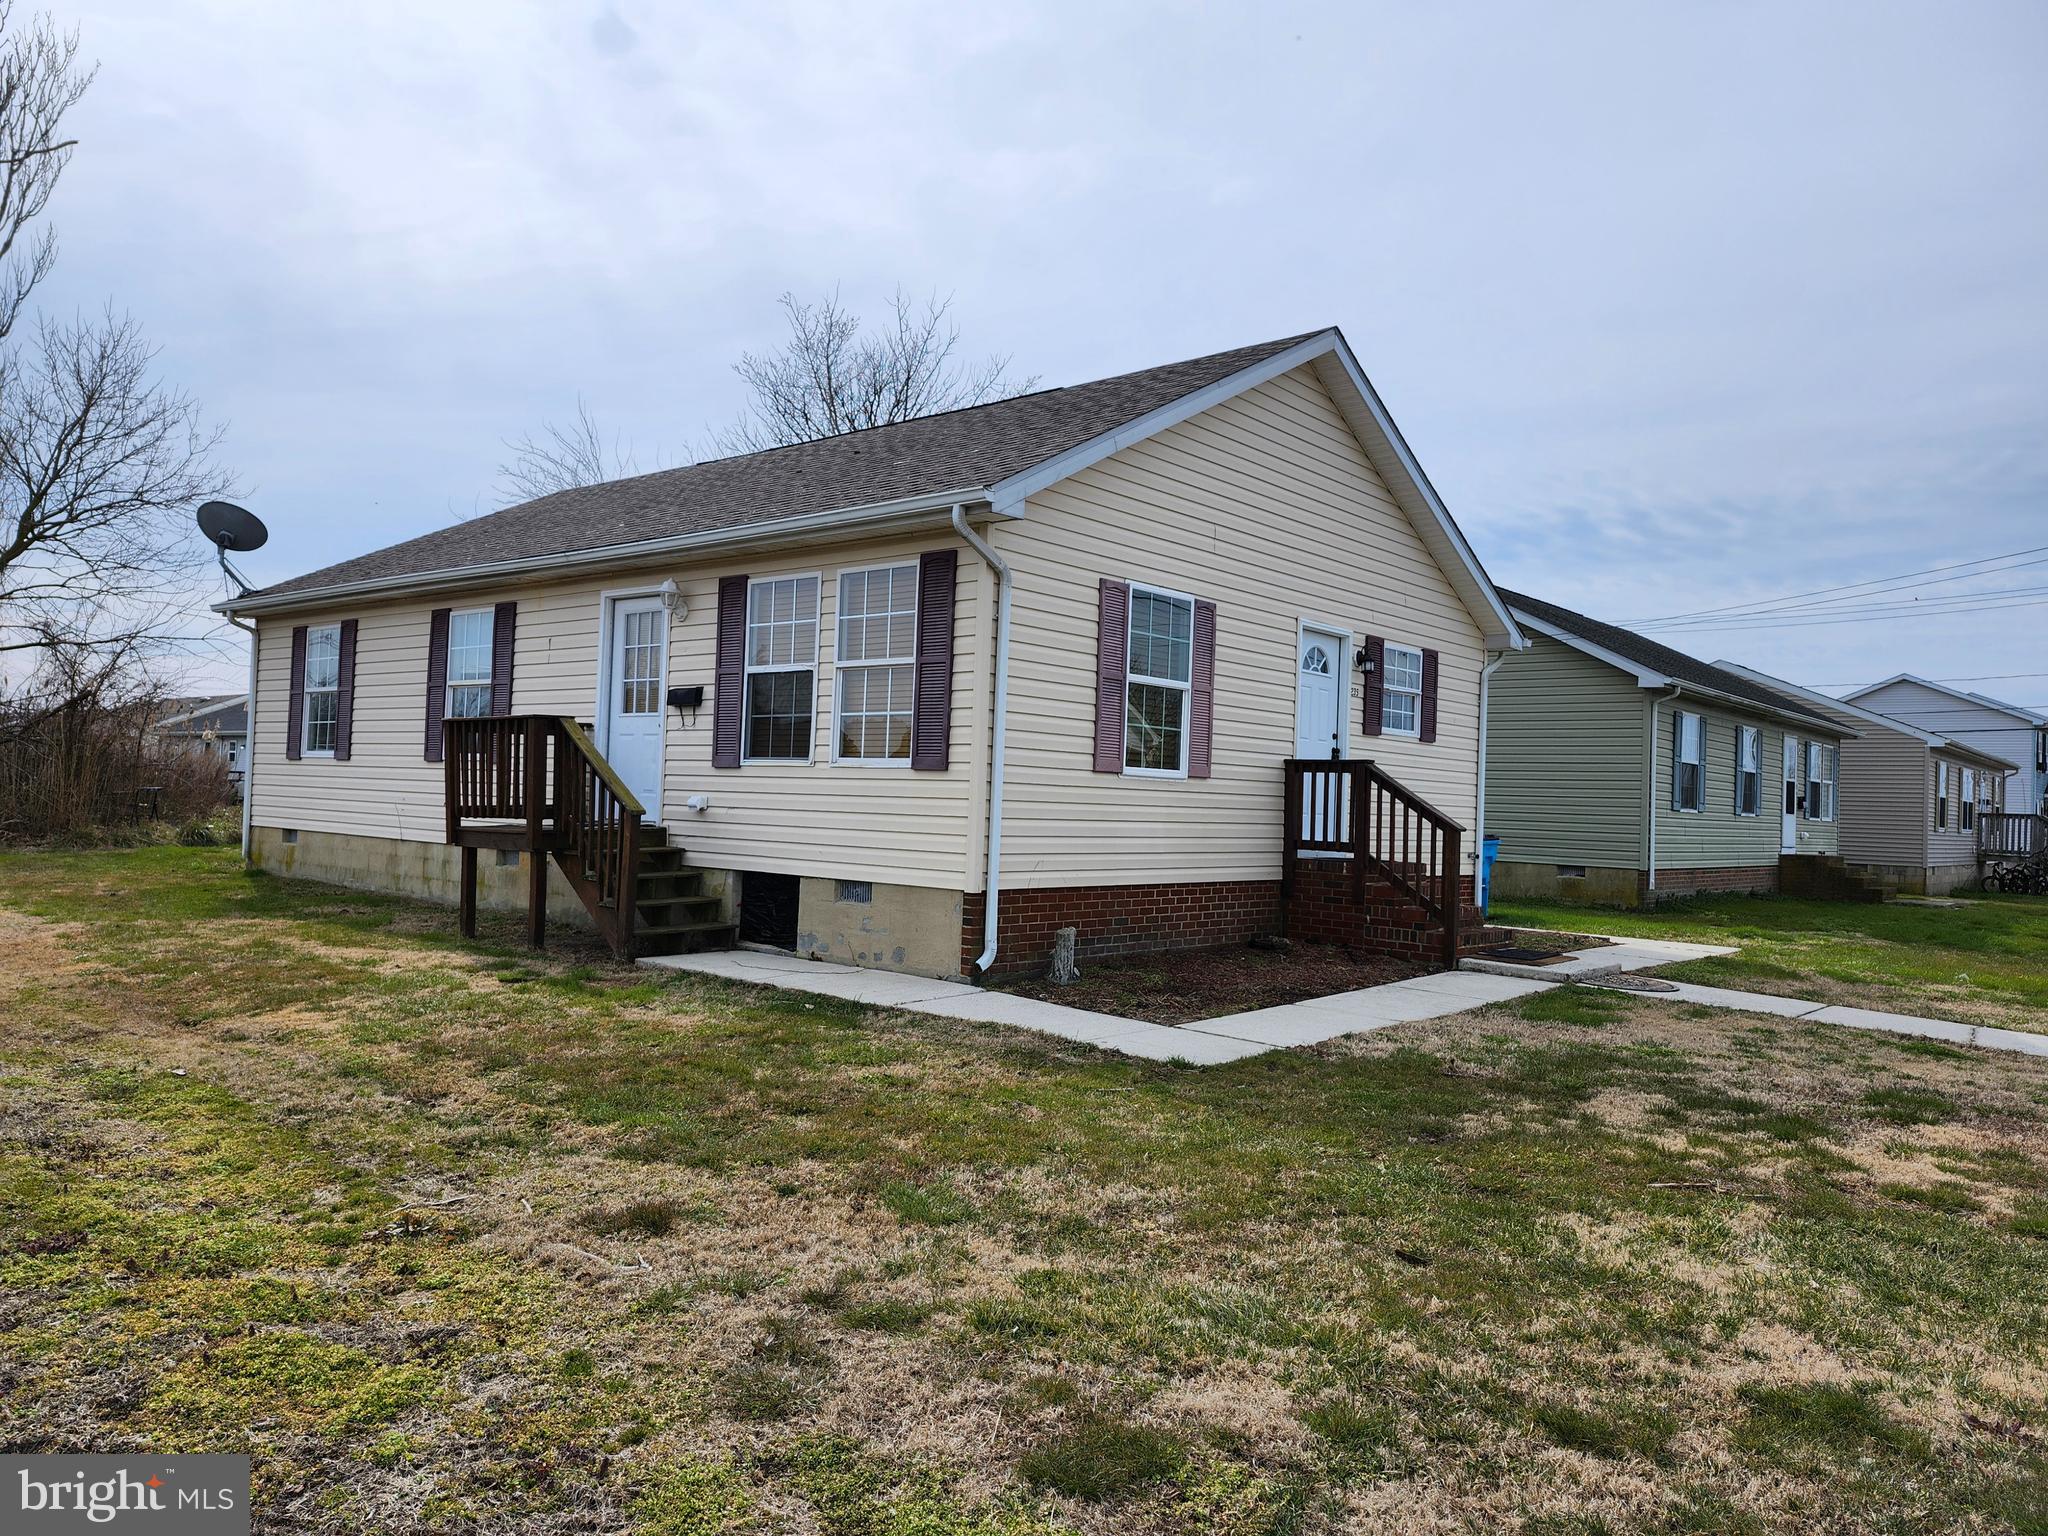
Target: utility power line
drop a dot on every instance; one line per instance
(1881, 582)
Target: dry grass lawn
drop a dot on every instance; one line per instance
(461, 1240)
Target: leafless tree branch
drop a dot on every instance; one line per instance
(831, 378)
(562, 458)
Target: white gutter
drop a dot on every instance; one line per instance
(873, 518)
(995, 768)
(1650, 776)
(1479, 818)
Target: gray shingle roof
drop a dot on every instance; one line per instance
(976, 447)
(228, 718)
(1660, 658)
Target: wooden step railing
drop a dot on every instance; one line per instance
(2011, 834)
(1345, 808)
(538, 783)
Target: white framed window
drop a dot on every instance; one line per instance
(782, 668)
(1157, 682)
(469, 664)
(1941, 795)
(1688, 762)
(322, 685)
(1400, 690)
(874, 662)
(1821, 761)
(1969, 798)
(1749, 775)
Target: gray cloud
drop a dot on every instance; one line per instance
(1679, 305)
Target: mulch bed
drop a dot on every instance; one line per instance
(1186, 985)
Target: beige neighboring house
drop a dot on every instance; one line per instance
(920, 696)
(1911, 798)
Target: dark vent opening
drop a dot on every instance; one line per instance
(768, 909)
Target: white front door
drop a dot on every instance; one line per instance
(1319, 695)
(1788, 840)
(630, 723)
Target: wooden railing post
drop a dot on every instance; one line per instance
(629, 881)
(1454, 898)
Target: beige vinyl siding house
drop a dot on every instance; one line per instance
(1621, 772)
(1257, 505)
(1904, 791)
(1227, 507)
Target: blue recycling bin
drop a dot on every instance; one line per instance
(1489, 850)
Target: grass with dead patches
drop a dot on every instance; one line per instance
(592, 1249)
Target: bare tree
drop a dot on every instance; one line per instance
(562, 458)
(39, 83)
(831, 378)
(99, 463)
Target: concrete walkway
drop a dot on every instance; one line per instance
(1210, 1042)
(1646, 954)
(1206, 1043)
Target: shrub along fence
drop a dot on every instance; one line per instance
(78, 762)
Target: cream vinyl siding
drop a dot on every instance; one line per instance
(883, 824)
(1266, 505)
(1715, 837)
(1564, 764)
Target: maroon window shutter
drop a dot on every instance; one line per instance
(1429, 695)
(1112, 644)
(295, 713)
(437, 680)
(931, 716)
(345, 693)
(728, 703)
(1375, 683)
(1202, 690)
(504, 619)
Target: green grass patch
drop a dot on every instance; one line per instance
(1102, 1456)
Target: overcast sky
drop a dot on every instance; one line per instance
(1680, 305)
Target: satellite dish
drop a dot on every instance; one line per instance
(231, 527)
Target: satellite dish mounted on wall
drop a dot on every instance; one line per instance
(232, 528)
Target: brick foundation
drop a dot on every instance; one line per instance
(1695, 882)
(1326, 905)
(1120, 920)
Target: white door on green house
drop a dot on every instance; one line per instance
(630, 728)
(1788, 841)
(1319, 695)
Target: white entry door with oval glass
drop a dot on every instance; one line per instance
(1319, 694)
(630, 725)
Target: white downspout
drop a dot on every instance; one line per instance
(249, 740)
(1650, 778)
(995, 770)
(1479, 816)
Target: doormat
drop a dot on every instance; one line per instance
(1522, 956)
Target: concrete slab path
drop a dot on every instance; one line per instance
(1206, 1043)
(1646, 954)
(1210, 1042)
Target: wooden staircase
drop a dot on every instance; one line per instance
(672, 912)
(1367, 861)
(538, 784)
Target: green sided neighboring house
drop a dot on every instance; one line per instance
(1621, 772)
